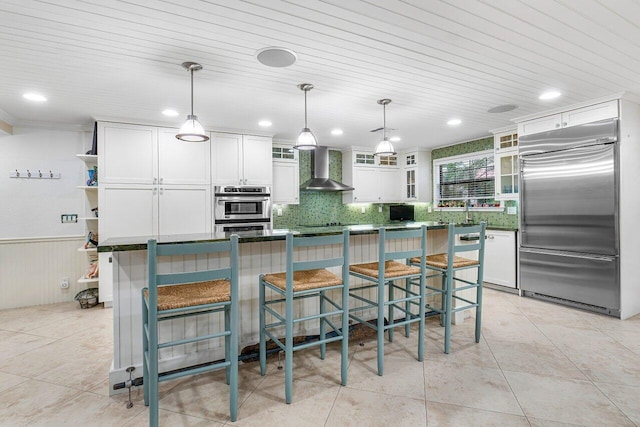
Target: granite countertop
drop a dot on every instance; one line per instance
(136, 243)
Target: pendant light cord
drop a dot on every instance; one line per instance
(384, 121)
(305, 109)
(191, 69)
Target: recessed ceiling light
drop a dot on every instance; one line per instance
(264, 123)
(337, 132)
(454, 122)
(395, 139)
(276, 57)
(169, 112)
(36, 97)
(549, 95)
(502, 108)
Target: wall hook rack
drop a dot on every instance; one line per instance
(28, 174)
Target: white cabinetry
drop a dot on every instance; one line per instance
(500, 258)
(374, 179)
(506, 164)
(171, 194)
(415, 176)
(241, 159)
(578, 116)
(286, 175)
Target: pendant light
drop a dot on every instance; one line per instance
(384, 147)
(306, 139)
(191, 130)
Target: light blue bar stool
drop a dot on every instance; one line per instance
(179, 295)
(446, 265)
(301, 280)
(384, 273)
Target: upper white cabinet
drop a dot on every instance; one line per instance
(591, 113)
(375, 179)
(136, 154)
(506, 165)
(182, 162)
(240, 159)
(415, 165)
(127, 153)
(286, 175)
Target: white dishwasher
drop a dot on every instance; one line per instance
(500, 251)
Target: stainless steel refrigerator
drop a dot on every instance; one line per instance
(569, 245)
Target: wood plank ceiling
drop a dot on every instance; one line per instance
(436, 59)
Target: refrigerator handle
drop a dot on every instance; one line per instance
(569, 255)
(521, 197)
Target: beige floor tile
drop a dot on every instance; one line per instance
(32, 400)
(79, 325)
(628, 338)
(365, 408)
(207, 395)
(604, 322)
(310, 406)
(88, 409)
(403, 374)
(464, 349)
(470, 386)
(564, 400)
(626, 398)
(444, 415)
(536, 422)
(33, 319)
(598, 356)
(15, 343)
(171, 419)
(534, 358)
(8, 381)
(514, 328)
(547, 313)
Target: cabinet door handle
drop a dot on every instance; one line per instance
(155, 180)
(161, 190)
(490, 236)
(557, 125)
(161, 179)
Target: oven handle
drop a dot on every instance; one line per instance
(224, 199)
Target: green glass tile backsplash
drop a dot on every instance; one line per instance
(319, 208)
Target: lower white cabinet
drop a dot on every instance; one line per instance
(146, 210)
(500, 258)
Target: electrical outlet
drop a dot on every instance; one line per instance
(429, 209)
(380, 209)
(279, 211)
(64, 283)
(363, 209)
(511, 210)
(65, 218)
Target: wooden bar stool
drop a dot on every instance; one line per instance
(446, 265)
(178, 295)
(384, 274)
(301, 280)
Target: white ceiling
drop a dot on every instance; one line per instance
(436, 59)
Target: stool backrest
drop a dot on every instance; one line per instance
(154, 251)
(467, 247)
(293, 241)
(384, 236)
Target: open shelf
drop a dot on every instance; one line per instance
(88, 250)
(93, 280)
(88, 157)
(88, 218)
(88, 187)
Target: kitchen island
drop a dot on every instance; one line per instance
(259, 252)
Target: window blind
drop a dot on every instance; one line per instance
(466, 178)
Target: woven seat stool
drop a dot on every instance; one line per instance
(302, 280)
(446, 265)
(382, 276)
(179, 295)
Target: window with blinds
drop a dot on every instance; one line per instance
(467, 177)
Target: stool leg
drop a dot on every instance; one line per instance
(263, 343)
(345, 334)
(443, 300)
(380, 327)
(447, 322)
(479, 310)
(233, 354)
(421, 313)
(407, 307)
(323, 335)
(390, 308)
(145, 349)
(153, 371)
(227, 342)
(288, 354)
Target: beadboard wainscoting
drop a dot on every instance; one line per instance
(31, 270)
(130, 275)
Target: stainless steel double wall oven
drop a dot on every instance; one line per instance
(241, 208)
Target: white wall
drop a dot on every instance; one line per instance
(32, 207)
(36, 249)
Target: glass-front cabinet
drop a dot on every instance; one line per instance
(506, 164)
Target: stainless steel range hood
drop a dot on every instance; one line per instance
(320, 180)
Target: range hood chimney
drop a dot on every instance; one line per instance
(320, 180)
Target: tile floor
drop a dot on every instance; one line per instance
(538, 364)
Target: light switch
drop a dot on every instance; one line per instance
(511, 210)
(429, 209)
(363, 209)
(279, 211)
